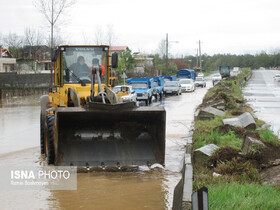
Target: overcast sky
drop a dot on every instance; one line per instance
(223, 26)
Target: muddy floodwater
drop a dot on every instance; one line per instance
(148, 188)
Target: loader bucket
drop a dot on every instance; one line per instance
(108, 137)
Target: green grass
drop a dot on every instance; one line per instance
(268, 136)
(204, 126)
(245, 72)
(206, 134)
(207, 73)
(243, 196)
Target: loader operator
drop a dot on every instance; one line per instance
(95, 62)
(80, 69)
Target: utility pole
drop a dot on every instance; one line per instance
(166, 62)
(197, 57)
(167, 43)
(200, 63)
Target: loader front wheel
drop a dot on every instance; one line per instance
(150, 100)
(160, 96)
(42, 134)
(49, 138)
(147, 102)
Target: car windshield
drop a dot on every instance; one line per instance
(185, 82)
(78, 62)
(224, 69)
(116, 89)
(139, 85)
(171, 84)
(199, 79)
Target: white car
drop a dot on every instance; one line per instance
(172, 87)
(200, 74)
(187, 84)
(216, 78)
(276, 77)
(200, 81)
(125, 93)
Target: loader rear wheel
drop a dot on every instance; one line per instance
(42, 134)
(49, 138)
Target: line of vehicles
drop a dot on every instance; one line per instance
(145, 88)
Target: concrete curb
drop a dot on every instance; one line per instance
(183, 190)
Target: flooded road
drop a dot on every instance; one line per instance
(145, 189)
(263, 95)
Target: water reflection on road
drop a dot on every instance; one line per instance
(263, 94)
(146, 189)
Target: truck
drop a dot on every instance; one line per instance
(224, 71)
(158, 87)
(82, 123)
(170, 78)
(144, 88)
(186, 74)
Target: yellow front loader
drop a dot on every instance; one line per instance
(83, 125)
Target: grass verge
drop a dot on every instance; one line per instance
(238, 183)
(243, 196)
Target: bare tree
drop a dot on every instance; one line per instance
(162, 48)
(86, 38)
(101, 36)
(33, 39)
(1, 39)
(14, 43)
(110, 34)
(52, 10)
(98, 35)
(57, 40)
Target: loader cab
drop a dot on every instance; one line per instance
(69, 69)
(78, 61)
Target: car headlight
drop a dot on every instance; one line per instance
(145, 94)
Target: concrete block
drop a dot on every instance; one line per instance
(245, 121)
(219, 104)
(209, 112)
(202, 154)
(250, 144)
(264, 127)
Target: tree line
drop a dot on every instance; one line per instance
(247, 60)
(212, 63)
